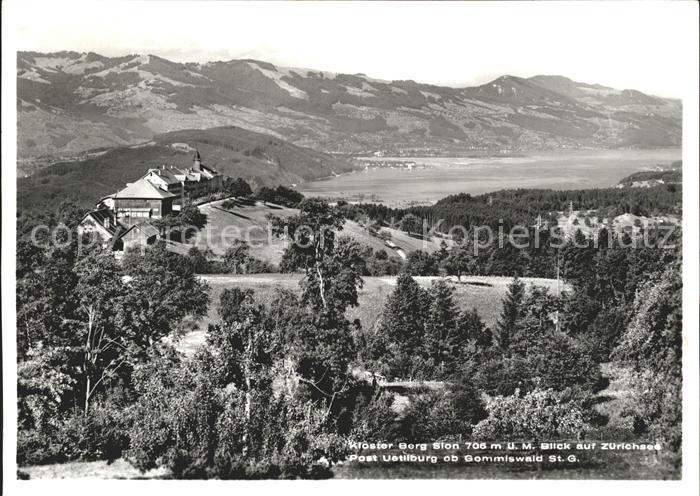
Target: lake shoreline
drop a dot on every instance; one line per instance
(433, 178)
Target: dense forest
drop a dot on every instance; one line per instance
(280, 387)
(509, 208)
(467, 220)
(672, 176)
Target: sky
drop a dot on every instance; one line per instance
(619, 44)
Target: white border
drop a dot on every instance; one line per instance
(691, 250)
(691, 297)
(8, 254)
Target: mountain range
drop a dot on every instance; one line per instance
(69, 103)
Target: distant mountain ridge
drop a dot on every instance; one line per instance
(70, 102)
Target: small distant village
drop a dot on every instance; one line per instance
(126, 218)
(386, 164)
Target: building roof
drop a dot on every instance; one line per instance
(210, 170)
(167, 175)
(190, 174)
(102, 214)
(198, 166)
(142, 189)
(194, 175)
(146, 228)
(104, 202)
(149, 229)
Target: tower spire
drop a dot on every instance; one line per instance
(197, 165)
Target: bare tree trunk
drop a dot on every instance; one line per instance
(88, 358)
(321, 288)
(87, 394)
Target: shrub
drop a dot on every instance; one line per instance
(375, 418)
(161, 384)
(283, 439)
(558, 363)
(43, 387)
(540, 414)
(498, 375)
(433, 415)
(35, 447)
(286, 197)
(191, 423)
(101, 434)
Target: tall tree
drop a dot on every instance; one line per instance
(403, 323)
(511, 313)
(312, 236)
(441, 337)
(333, 268)
(577, 257)
(411, 223)
(459, 261)
(236, 256)
(161, 289)
(100, 291)
(420, 263)
(652, 345)
(472, 329)
(237, 187)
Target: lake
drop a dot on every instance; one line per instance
(433, 178)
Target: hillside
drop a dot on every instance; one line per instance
(672, 174)
(235, 152)
(249, 222)
(72, 102)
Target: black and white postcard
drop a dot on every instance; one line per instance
(330, 241)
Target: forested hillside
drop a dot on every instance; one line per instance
(235, 152)
(523, 206)
(668, 175)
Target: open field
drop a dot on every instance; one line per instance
(249, 222)
(481, 292)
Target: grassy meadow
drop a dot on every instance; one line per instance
(481, 292)
(249, 222)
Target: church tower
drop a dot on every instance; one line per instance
(197, 165)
